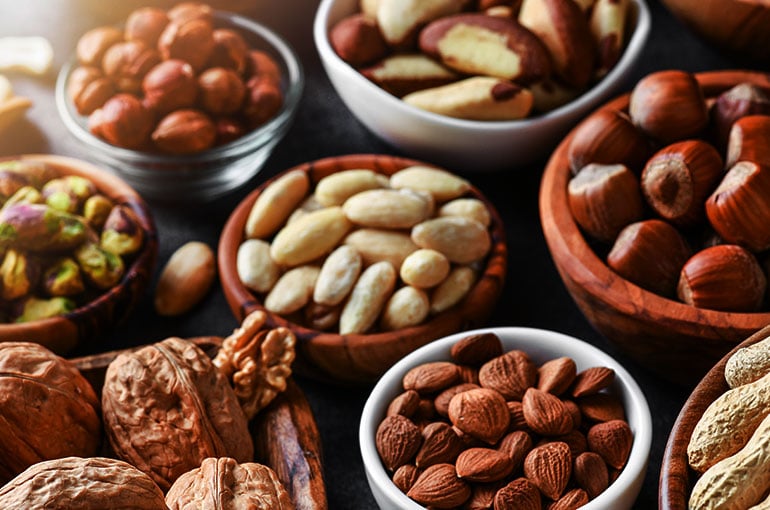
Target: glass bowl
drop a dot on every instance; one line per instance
(213, 173)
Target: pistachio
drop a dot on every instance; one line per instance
(18, 274)
(34, 308)
(63, 278)
(100, 267)
(40, 228)
(122, 233)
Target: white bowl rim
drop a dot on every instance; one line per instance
(632, 50)
(637, 408)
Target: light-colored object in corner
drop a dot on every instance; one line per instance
(748, 364)
(32, 54)
(11, 107)
(456, 143)
(540, 345)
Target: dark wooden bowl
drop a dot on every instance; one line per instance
(362, 358)
(89, 322)
(285, 434)
(676, 477)
(676, 341)
(738, 27)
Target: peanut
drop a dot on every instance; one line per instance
(728, 422)
(738, 481)
(185, 279)
(373, 288)
(276, 202)
(748, 364)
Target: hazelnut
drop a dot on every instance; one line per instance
(604, 199)
(230, 50)
(184, 132)
(127, 62)
(221, 90)
(608, 136)
(650, 253)
(184, 11)
(263, 101)
(669, 106)
(189, 40)
(146, 24)
(739, 210)
(170, 85)
(678, 178)
(92, 45)
(726, 277)
(89, 89)
(749, 141)
(261, 64)
(740, 101)
(357, 40)
(122, 121)
(228, 129)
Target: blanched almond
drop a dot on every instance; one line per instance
(309, 237)
(424, 268)
(334, 189)
(293, 290)
(256, 268)
(453, 289)
(461, 240)
(472, 208)
(387, 208)
(276, 202)
(371, 291)
(441, 184)
(338, 275)
(186, 278)
(377, 245)
(408, 306)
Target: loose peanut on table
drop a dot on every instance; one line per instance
(375, 253)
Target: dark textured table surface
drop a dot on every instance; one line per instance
(534, 295)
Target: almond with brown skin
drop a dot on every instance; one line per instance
(397, 441)
(405, 476)
(517, 420)
(575, 439)
(481, 413)
(601, 407)
(545, 413)
(516, 445)
(483, 496)
(592, 380)
(556, 375)
(441, 402)
(405, 404)
(612, 440)
(476, 349)
(431, 377)
(520, 494)
(439, 487)
(483, 465)
(571, 500)
(549, 467)
(440, 444)
(510, 374)
(574, 411)
(590, 473)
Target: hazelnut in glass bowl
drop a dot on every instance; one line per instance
(186, 104)
(365, 257)
(654, 209)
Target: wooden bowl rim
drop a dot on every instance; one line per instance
(121, 193)
(242, 301)
(673, 487)
(609, 288)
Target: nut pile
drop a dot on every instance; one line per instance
(674, 192)
(63, 242)
(730, 445)
(484, 59)
(176, 422)
(490, 429)
(364, 251)
(173, 81)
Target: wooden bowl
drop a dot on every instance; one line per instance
(676, 476)
(738, 27)
(285, 434)
(89, 322)
(361, 358)
(676, 341)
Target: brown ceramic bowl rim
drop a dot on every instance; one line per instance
(566, 240)
(674, 486)
(242, 301)
(136, 276)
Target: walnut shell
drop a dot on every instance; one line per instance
(166, 408)
(224, 484)
(49, 409)
(79, 483)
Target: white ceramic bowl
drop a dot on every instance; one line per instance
(464, 145)
(540, 345)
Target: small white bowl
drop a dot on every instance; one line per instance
(540, 345)
(464, 145)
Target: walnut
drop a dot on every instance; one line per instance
(224, 484)
(166, 408)
(257, 362)
(75, 482)
(43, 396)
